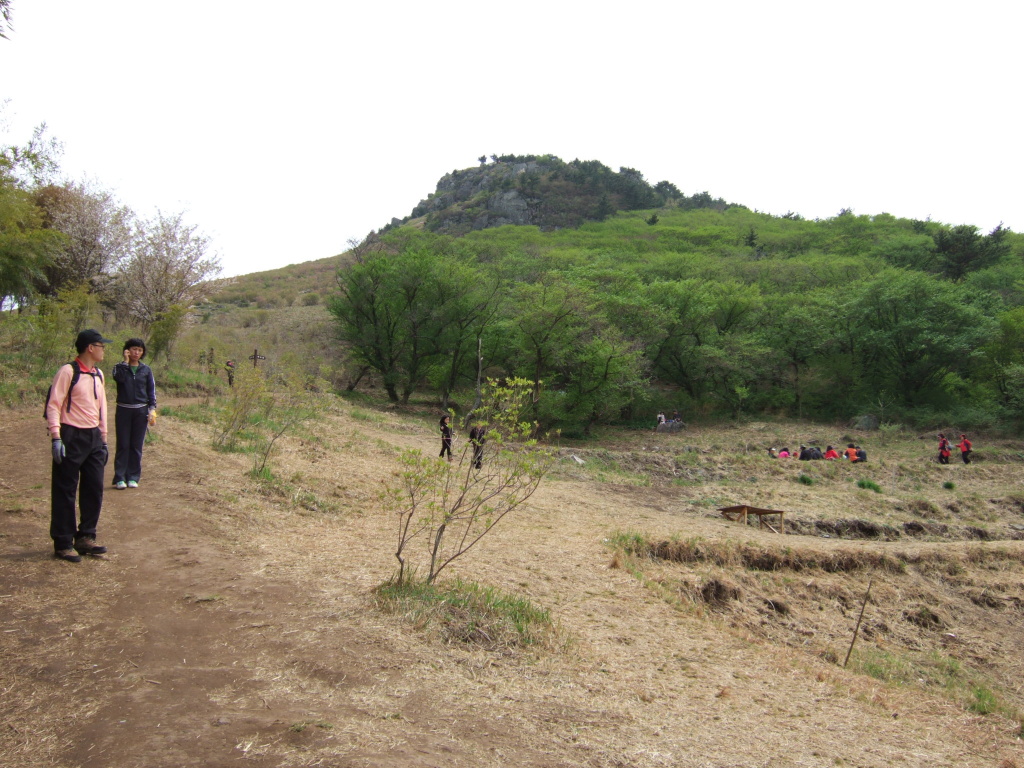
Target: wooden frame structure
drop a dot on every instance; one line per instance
(742, 512)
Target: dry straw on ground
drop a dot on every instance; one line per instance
(235, 623)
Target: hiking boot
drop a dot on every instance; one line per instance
(68, 554)
(87, 546)
(133, 483)
(120, 485)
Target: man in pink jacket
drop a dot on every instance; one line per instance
(76, 416)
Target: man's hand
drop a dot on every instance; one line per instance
(58, 451)
(106, 454)
(126, 359)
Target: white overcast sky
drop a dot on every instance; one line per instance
(284, 129)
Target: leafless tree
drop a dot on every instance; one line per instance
(169, 264)
(98, 233)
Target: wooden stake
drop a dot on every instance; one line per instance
(859, 618)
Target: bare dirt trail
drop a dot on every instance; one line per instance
(224, 629)
(162, 652)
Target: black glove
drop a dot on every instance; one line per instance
(106, 454)
(58, 451)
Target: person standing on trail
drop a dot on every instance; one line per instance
(446, 437)
(76, 417)
(944, 449)
(965, 449)
(136, 410)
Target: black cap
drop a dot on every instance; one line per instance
(90, 336)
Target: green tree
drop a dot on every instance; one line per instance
(27, 248)
(165, 329)
(915, 329)
(795, 331)
(963, 249)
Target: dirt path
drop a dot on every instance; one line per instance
(226, 629)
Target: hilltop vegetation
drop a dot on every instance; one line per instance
(714, 312)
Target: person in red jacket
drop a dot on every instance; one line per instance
(944, 449)
(830, 453)
(851, 452)
(965, 449)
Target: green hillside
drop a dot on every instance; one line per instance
(717, 311)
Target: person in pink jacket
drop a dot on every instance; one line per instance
(76, 417)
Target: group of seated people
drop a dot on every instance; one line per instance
(853, 453)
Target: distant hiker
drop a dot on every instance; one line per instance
(772, 454)
(76, 417)
(676, 416)
(944, 449)
(850, 452)
(661, 420)
(830, 453)
(805, 453)
(816, 454)
(446, 437)
(784, 453)
(862, 455)
(477, 436)
(136, 410)
(965, 449)
(229, 366)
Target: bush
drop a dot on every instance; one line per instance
(805, 480)
(869, 485)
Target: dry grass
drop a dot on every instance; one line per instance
(702, 660)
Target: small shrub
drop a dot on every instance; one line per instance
(630, 542)
(869, 485)
(983, 701)
(466, 612)
(949, 485)
(806, 480)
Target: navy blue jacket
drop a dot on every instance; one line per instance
(138, 389)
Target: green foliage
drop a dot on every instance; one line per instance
(444, 508)
(869, 485)
(165, 329)
(27, 246)
(983, 701)
(949, 485)
(466, 612)
(250, 398)
(806, 480)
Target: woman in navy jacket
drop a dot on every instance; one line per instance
(136, 405)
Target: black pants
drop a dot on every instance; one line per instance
(446, 447)
(966, 456)
(943, 459)
(81, 473)
(130, 425)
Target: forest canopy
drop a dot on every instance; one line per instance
(716, 311)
